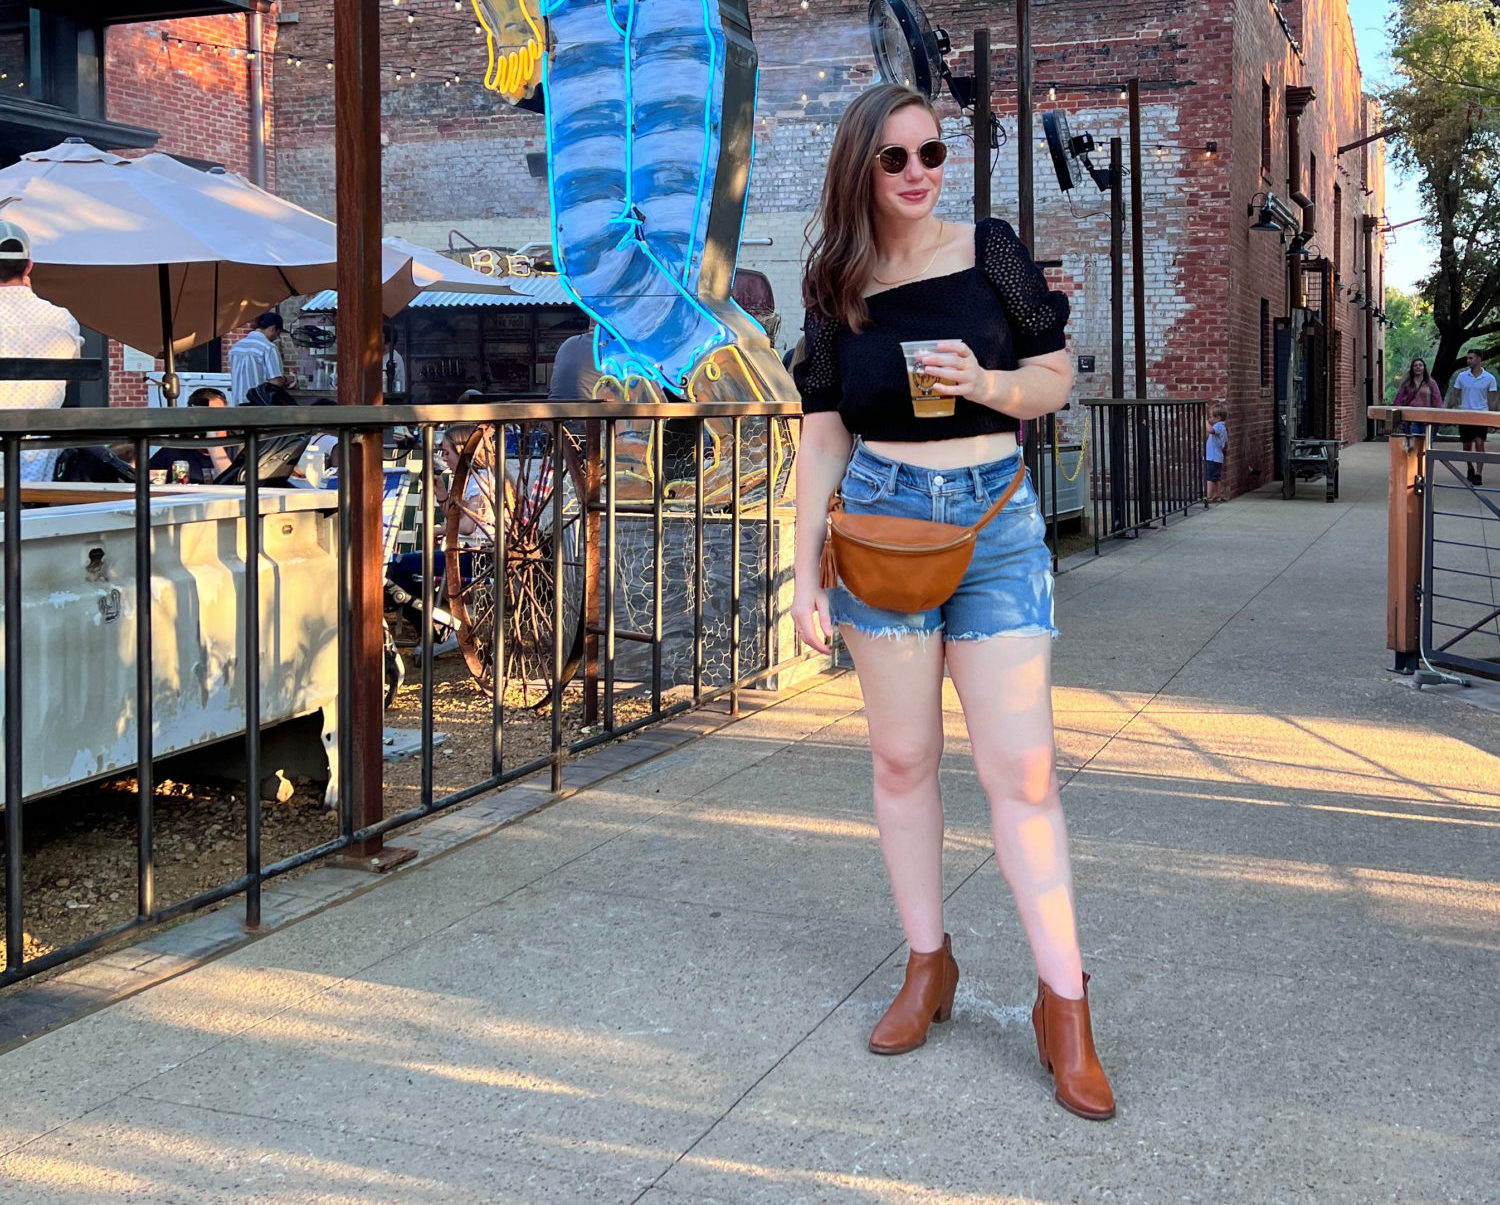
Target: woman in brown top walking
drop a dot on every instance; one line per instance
(885, 270)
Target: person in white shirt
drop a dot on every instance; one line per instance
(31, 327)
(392, 363)
(255, 361)
(1473, 389)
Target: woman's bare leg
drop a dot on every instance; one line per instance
(1005, 685)
(902, 683)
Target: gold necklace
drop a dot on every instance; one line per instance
(930, 261)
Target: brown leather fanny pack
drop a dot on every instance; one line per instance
(898, 564)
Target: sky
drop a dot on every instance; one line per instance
(1409, 253)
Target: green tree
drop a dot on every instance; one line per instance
(1412, 333)
(1447, 110)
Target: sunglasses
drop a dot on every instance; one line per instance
(931, 154)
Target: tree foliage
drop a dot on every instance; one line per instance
(1447, 108)
(1412, 333)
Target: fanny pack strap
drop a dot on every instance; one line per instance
(836, 501)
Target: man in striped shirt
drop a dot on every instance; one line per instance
(254, 360)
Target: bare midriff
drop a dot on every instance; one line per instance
(949, 453)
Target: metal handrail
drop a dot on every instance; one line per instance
(1147, 464)
(141, 420)
(142, 427)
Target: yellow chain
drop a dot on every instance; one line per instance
(1083, 448)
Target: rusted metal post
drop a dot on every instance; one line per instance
(1404, 548)
(356, 99)
(593, 577)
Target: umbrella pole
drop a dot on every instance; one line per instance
(170, 386)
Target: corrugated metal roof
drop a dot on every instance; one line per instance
(527, 291)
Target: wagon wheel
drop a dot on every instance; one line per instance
(527, 522)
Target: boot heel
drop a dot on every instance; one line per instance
(943, 1011)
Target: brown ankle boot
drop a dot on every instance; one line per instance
(1065, 1040)
(925, 997)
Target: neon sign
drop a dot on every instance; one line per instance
(650, 111)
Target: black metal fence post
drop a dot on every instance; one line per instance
(145, 772)
(251, 670)
(15, 916)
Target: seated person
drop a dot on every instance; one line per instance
(475, 513)
(206, 461)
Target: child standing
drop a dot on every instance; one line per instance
(1213, 452)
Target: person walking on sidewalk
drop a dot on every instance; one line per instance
(1473, 389)
(1213, 452)
(883, 270)
(1417, 389)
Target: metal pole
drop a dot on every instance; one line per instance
(612, 555)
(1025, 210)
(558, 468)
(251, 665)
(982, 149)
(254, 37)
(357, 141)
(145, 779)
(591, 528)
(1137, 239)
(734, 578)
(429, 604)
(170, 386)
(1117, 438)
(15, 916)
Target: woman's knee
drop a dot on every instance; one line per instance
(1027, 782)
(905, 765)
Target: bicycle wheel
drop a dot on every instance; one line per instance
(525, 506)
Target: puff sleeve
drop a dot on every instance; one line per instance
(817, 374)
(1037, 315)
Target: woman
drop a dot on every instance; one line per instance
(1417, 388)
(883, 270)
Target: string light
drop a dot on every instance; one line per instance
(402, 72)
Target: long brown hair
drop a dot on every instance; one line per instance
(842, 255)
(1409, 380)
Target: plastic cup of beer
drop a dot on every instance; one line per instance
(926, 402)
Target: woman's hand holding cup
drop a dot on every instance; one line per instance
(958, 370)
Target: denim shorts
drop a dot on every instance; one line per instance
(1007, 590)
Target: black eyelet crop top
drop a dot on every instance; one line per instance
(1001, 308)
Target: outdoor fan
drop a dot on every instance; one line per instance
(314, 336)
(1070, 153)
(909, 51)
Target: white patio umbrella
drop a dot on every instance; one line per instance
(163, 256)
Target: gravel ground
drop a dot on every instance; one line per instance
(79, 857)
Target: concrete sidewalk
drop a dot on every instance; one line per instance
(659, 990)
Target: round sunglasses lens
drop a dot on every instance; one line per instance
(893, 160)
(932, 154)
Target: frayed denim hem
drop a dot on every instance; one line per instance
(1034, 629)
(893, 632)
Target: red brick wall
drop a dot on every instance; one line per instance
(455, 157)
(1325, 60)
(199, 102)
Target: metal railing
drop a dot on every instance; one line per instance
(599, 546)
(1460, 598)
(1147, 463)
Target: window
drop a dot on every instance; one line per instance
(1265, 343)
(15, 50)
(1265, 126)
(1338, 230)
